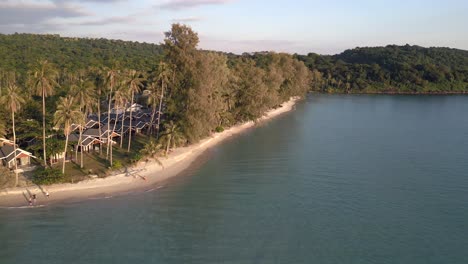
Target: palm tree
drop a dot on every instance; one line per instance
(134, 83)
(151, 150)
(67, 113)
(163, 77)
(121, 100)
(112, 75)
(153, 101)
(172, 135)
(43, 80)
(83, 94)
(13, 101)
(98, 81)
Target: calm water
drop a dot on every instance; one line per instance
(343, 179)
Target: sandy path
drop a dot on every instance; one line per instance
(177, 161)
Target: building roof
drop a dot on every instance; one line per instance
(7, 153)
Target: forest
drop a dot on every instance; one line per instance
(391, 69)
(50, 91)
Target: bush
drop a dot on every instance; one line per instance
(136, 157)
(219, 129)
(48, 176)
(117, 165)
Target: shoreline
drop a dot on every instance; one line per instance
(150, 173)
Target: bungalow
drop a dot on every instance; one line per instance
(134, 107)
(94, 132)
(92, 124)
(87, 144)
(140, 126)
(113, 118)
(9, 157)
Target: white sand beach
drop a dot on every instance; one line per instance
(144, 175)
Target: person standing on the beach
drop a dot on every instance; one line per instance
(34, 199)
(30, 201)
(47, 194)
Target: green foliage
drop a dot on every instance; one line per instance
(48, 176)
(391, 69)
(20, 51)
(137, 156)
(219, 129)
(117, 165)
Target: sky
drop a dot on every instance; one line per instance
(294, 26)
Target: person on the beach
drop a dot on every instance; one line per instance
(34, 199)
(47, 194)
(30, 201)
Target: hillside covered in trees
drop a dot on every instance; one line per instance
(391, 69)
(56, 95)
(20, 52)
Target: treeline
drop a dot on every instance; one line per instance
(391, 69)
(191, 93)
(21, 52)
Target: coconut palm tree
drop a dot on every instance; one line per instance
(120, 101)
(112, 75)
(163, 78)
(151, 150)
(13, 100)
(84, 96)
(97, 76)
(153, 101)
(172, 135)
(43, 80)
(133, 81)
(67, 113)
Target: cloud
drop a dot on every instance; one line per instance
(186, 20)
(33, 13)
(108, 21)
(184, 4)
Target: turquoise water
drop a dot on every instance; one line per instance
(343, 179)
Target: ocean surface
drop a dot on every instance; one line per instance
(342, 179)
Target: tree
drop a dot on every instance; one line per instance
(164, 72)
(43, 78)
(98, 80)
(134, 82)
(152, 150)
(82, 92)
(112, 75)
(120, 102)
(67, 113)
(180, 53)
(153, 101)
(172, 135)
(13, 101)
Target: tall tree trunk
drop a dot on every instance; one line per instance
(14, 147)
(81, 147)
(169, 137)
(112, 133)
(43, 127)
(122, 129)
(153, 113)
(99, 121)
(160, 107)
(65, 150)
(108, 122)
(130, 133)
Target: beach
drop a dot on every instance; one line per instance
(142, 176)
